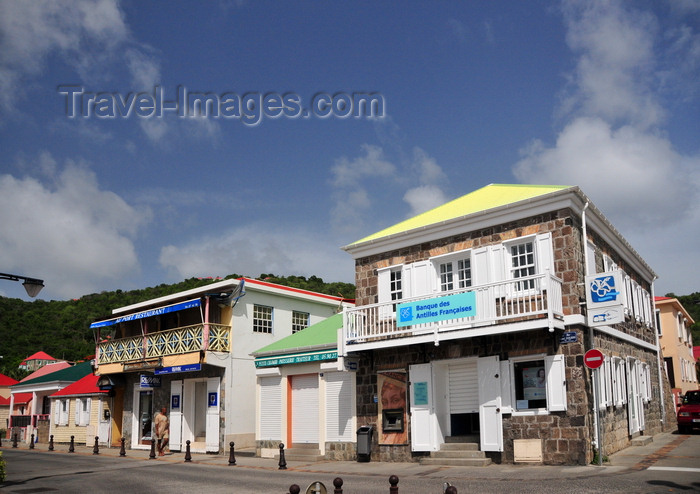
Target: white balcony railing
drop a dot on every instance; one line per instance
(162, 343)
(531, 298)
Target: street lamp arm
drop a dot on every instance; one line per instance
(32, 285)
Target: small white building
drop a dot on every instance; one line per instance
(306, 395)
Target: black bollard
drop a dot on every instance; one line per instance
(338, 484)
(451, 490)
(122, 450)
(231, 456)
(283, 462)
(394, 483)
(153, 449)
(294, 489)
(71, 447)
(51, 443)
(31, 443)
(96, 448)
(188, 455)
(14, 440)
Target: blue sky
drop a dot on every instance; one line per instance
(602, 94)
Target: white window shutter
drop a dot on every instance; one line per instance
(556, 382)
(78, 410)
(421, 279)
(480, 257)
(56, 412)
(590, 257)
(506, 401)
(89, 411)
(545, 257)
(383, 282)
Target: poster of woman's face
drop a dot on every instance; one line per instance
(392, 396)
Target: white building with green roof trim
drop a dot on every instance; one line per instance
(306, 395)
(482, 309)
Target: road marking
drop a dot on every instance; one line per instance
(675, 469)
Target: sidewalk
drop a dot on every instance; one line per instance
(634, 457)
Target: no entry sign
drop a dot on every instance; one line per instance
(593, 358)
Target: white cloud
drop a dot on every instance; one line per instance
(89, 35)
(350, 178)
(63, 228)
(418, 180)
(259, 248)
(613, 144)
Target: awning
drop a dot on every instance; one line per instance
(22, 398)
(148, 313)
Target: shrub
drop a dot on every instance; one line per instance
(2, 469)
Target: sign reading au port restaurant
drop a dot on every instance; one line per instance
(436, 309)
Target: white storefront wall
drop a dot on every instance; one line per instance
(305, 404)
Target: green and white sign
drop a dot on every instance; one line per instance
(436, 309)
(295, 359)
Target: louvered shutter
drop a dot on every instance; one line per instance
(339, 410)
(271, 408)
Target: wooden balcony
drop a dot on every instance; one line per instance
(512, 305)
(175, 341)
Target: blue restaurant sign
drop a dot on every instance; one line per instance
(436, 309)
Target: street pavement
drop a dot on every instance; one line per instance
(665, 453)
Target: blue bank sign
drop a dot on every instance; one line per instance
(436, 309)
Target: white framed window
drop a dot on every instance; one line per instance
(454, 271)
(82, 411)
(300, 320)
(262, 319)
(395, 285)
(522, 264)
(538, 384)
(608, 263)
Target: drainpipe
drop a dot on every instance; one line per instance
(658, 354)
(596, 412)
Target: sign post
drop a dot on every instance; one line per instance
(593, 359)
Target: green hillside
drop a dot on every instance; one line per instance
(62, 328)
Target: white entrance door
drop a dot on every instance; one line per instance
(212, 421)
(175, 415)
(105, 425)
(305, 409)
(490, 415)
(423, 417)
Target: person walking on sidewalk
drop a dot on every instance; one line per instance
(162, 425)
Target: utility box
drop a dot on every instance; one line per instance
(364, 443)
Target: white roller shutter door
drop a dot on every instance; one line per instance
(305, 409)
(464, 387)
(271, 408)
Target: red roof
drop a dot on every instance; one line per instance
(85, 386)
(39, 356)
(658, 299)
(7, 380)
(696, 352)
(22, 398)
(47, 369)
(4, 401)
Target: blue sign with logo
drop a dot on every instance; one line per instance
(436, 309)
(603, 289)
(148, 381)
(179, 368)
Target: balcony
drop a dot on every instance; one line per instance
(175, 341)
(514, 305)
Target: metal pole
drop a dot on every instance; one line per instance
(599, 432)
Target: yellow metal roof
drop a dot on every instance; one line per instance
(489, 197)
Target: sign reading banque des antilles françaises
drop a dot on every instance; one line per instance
(436, 309)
